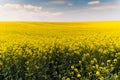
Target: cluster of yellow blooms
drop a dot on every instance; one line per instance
(54, 52)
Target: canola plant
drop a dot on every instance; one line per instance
(60, 51)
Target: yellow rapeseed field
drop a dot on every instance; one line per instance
(60, 50)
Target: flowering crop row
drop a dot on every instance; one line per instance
(58, 53)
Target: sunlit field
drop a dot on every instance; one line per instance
(60, 51)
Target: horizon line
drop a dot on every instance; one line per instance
(60, 21)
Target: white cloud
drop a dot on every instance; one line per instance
(18, 6)
(60, 2)
(31, 7)
(94, 2)
(70, 4)
(57, 2)
(21, 12)
(12, 6)
(105, 7)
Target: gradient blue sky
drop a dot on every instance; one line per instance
(59, 10)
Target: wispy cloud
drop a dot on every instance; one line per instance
(70, 4)
(31, 7)
(18, 6)
(61, 2)
(105, 6)
(94, 2)
(58, 2)
(17, 11)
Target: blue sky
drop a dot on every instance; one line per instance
(59, 10)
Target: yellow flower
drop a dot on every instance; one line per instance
(80, 62)
(97, 73)
(93, 67)
(112, 68)
(27, 62)
(108, 61)
(90, 73)
(95, 60)
(72, 73)
(28, 68)
(76, 70)
(68, 79)
(78, 75)
(115, 60)
(72, 67)
(87, 54)
(105, 70)
(97, 66)
(44, 57)
(102, 78)
(102, 64)
(63, 78)
(37, 67)
(115, 76)
(92, 61)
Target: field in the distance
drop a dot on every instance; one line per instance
(60, 50)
